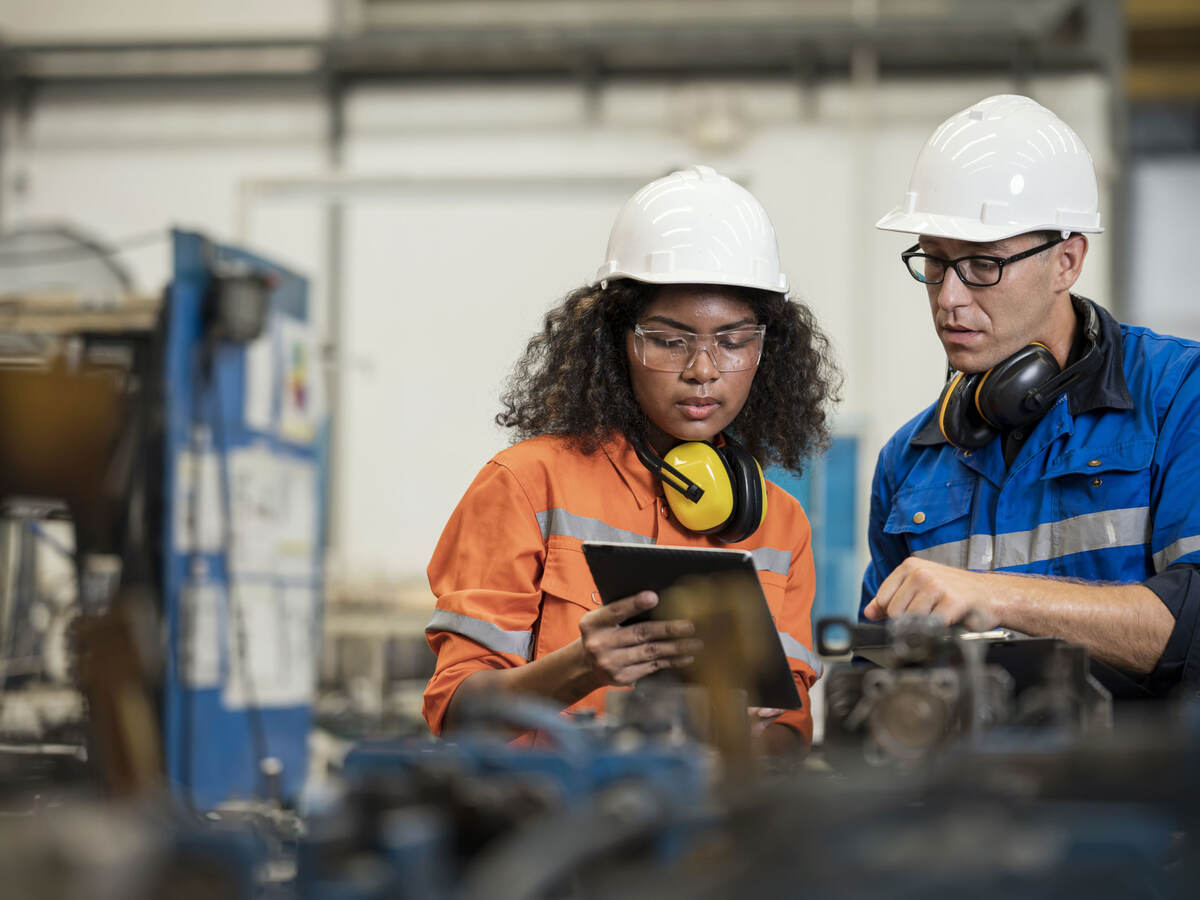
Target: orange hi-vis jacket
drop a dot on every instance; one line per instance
(511, 579)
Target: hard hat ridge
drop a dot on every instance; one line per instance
(694, 226)
(1001, 167)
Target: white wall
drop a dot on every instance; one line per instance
(1166, 196)
(444, 281)
(50, 21)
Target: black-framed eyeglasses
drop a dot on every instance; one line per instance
(974, 270)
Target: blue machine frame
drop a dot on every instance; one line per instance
(231, 614)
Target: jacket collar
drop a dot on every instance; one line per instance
(1106, 388)
(638, 479)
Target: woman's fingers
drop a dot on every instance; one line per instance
(641, 670)
(612, 614)
(623, 653)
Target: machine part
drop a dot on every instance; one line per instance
(659, 712)
(916, 639)
(89, 850)
(54, 258)
(1001, 167)
(481, 713)
(724, 238)
(114, 678)
(934, 684)
(908, 722)
(540, 859)
(67, 431)
(99, 576)
(480, 816)
(237, 303)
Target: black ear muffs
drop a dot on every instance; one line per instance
(712, 490)
(973, 408)
(959, 421)
(1015, 392)
(1004, 396)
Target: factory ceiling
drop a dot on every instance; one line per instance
(463, 39)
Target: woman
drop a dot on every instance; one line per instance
(686, 332)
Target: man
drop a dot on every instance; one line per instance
(1054, 488)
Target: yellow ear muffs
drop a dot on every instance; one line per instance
(734, 502)
(749, 492)
(702, 464)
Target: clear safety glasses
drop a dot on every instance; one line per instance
(671, 350)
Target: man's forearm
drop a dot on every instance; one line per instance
(1124, 625)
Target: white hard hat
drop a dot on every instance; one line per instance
(1002, 167)
(694, 226)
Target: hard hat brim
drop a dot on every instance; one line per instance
(692, 277)
(963, 229)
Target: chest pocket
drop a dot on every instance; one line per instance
(930, 515)
(567, 593)
(1086, 481)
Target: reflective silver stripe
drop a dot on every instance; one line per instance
(518, 643)
(1177, 550)
(568, 524)
(797, 650)
(768, 559)
(1050, 540)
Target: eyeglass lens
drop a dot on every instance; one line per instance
(975, 270)
(674, 351)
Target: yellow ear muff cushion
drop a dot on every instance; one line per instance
(948, 394)
(702, 464)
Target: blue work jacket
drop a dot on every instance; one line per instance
(1105, 488)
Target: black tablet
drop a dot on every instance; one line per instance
(719, 592)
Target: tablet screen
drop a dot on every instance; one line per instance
(719, 592)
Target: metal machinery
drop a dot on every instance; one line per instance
(955, 764)
(931, 685)
(1036, 808)
(133, 697)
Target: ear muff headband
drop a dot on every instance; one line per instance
(669, 475)
(1045, 395)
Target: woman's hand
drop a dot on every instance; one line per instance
(760, 717)
(620, 655)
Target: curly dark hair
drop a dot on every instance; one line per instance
(573, 378)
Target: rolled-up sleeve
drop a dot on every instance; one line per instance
(486, 573)
(1175, 535)
(1179, 589)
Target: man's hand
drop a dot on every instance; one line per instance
(920, 587)
(621, 655)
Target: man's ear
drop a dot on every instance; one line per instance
(1068, 262)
